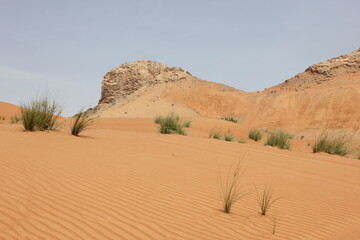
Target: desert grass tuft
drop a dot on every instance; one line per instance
(187, 124)
(332, 145)
(275, 221)
(229, 137)
(15, 119)
(280, 139)
(229, 188)
(255, 134)
(41, 114)
(81, 121)
(266, 200)
(171, 124)
(242, 141)
(230, 119)
(215, 134)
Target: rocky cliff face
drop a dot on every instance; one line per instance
(324, 71)
(131, 77)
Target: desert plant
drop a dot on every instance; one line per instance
(242, 141)
(40, 113)
(80, 122)
(229, 188)
(14, 119)
(266, 200)
(279, 139)
(187, 124)
(255, 134)
(275, 221)
(230, 119)
(228, 137)
(171, 124)
(158, 120)
(214, 134)
(332, 145)
(358, 154)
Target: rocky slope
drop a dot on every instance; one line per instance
(323, 71)
(326, 95)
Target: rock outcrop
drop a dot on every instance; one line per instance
(131, 77)
(324, 71)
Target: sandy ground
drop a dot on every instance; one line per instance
(123, 180)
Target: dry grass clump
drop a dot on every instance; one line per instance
(215, 134)
(255, 134)
(229, 188)
(41, 114)
(266, 200)
(80, 123)
(15, 119)
(280, 139)
(333, 145)
(230, 119)
(241, 141)
(172, 124)
(229, 137)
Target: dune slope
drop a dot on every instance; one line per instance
(115, 183)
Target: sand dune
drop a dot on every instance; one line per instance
(8, 110)
(122, 180)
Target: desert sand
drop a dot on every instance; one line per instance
(123, 180)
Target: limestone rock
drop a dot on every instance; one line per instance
(130, 77)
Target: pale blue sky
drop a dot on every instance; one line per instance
(63, 48)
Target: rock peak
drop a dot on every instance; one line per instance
(131, 77)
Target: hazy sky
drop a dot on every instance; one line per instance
(63, 48)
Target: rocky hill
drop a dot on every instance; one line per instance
(326, 95)
(323, 72)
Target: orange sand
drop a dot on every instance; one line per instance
(123, 180)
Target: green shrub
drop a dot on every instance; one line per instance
(187, 124)
(279, 139)
(228, 137)
(214, 134)
(255, 134)
(171, 124)
(40, 114)
(332, 145)
(80, 122)
(15, 119)
(230, 119)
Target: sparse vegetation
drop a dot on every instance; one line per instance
(214, 134)
(275, 220)
(280, 139)
(15, 119)
(230, 119)
(80, 122)
(242, 141)
(40, 114)
(187, 124)
(266, 200)
(255, 134)
(229, 188)
(228, 137)
(358, 155)
(2, 118)
(172, 124)
(332, 145)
